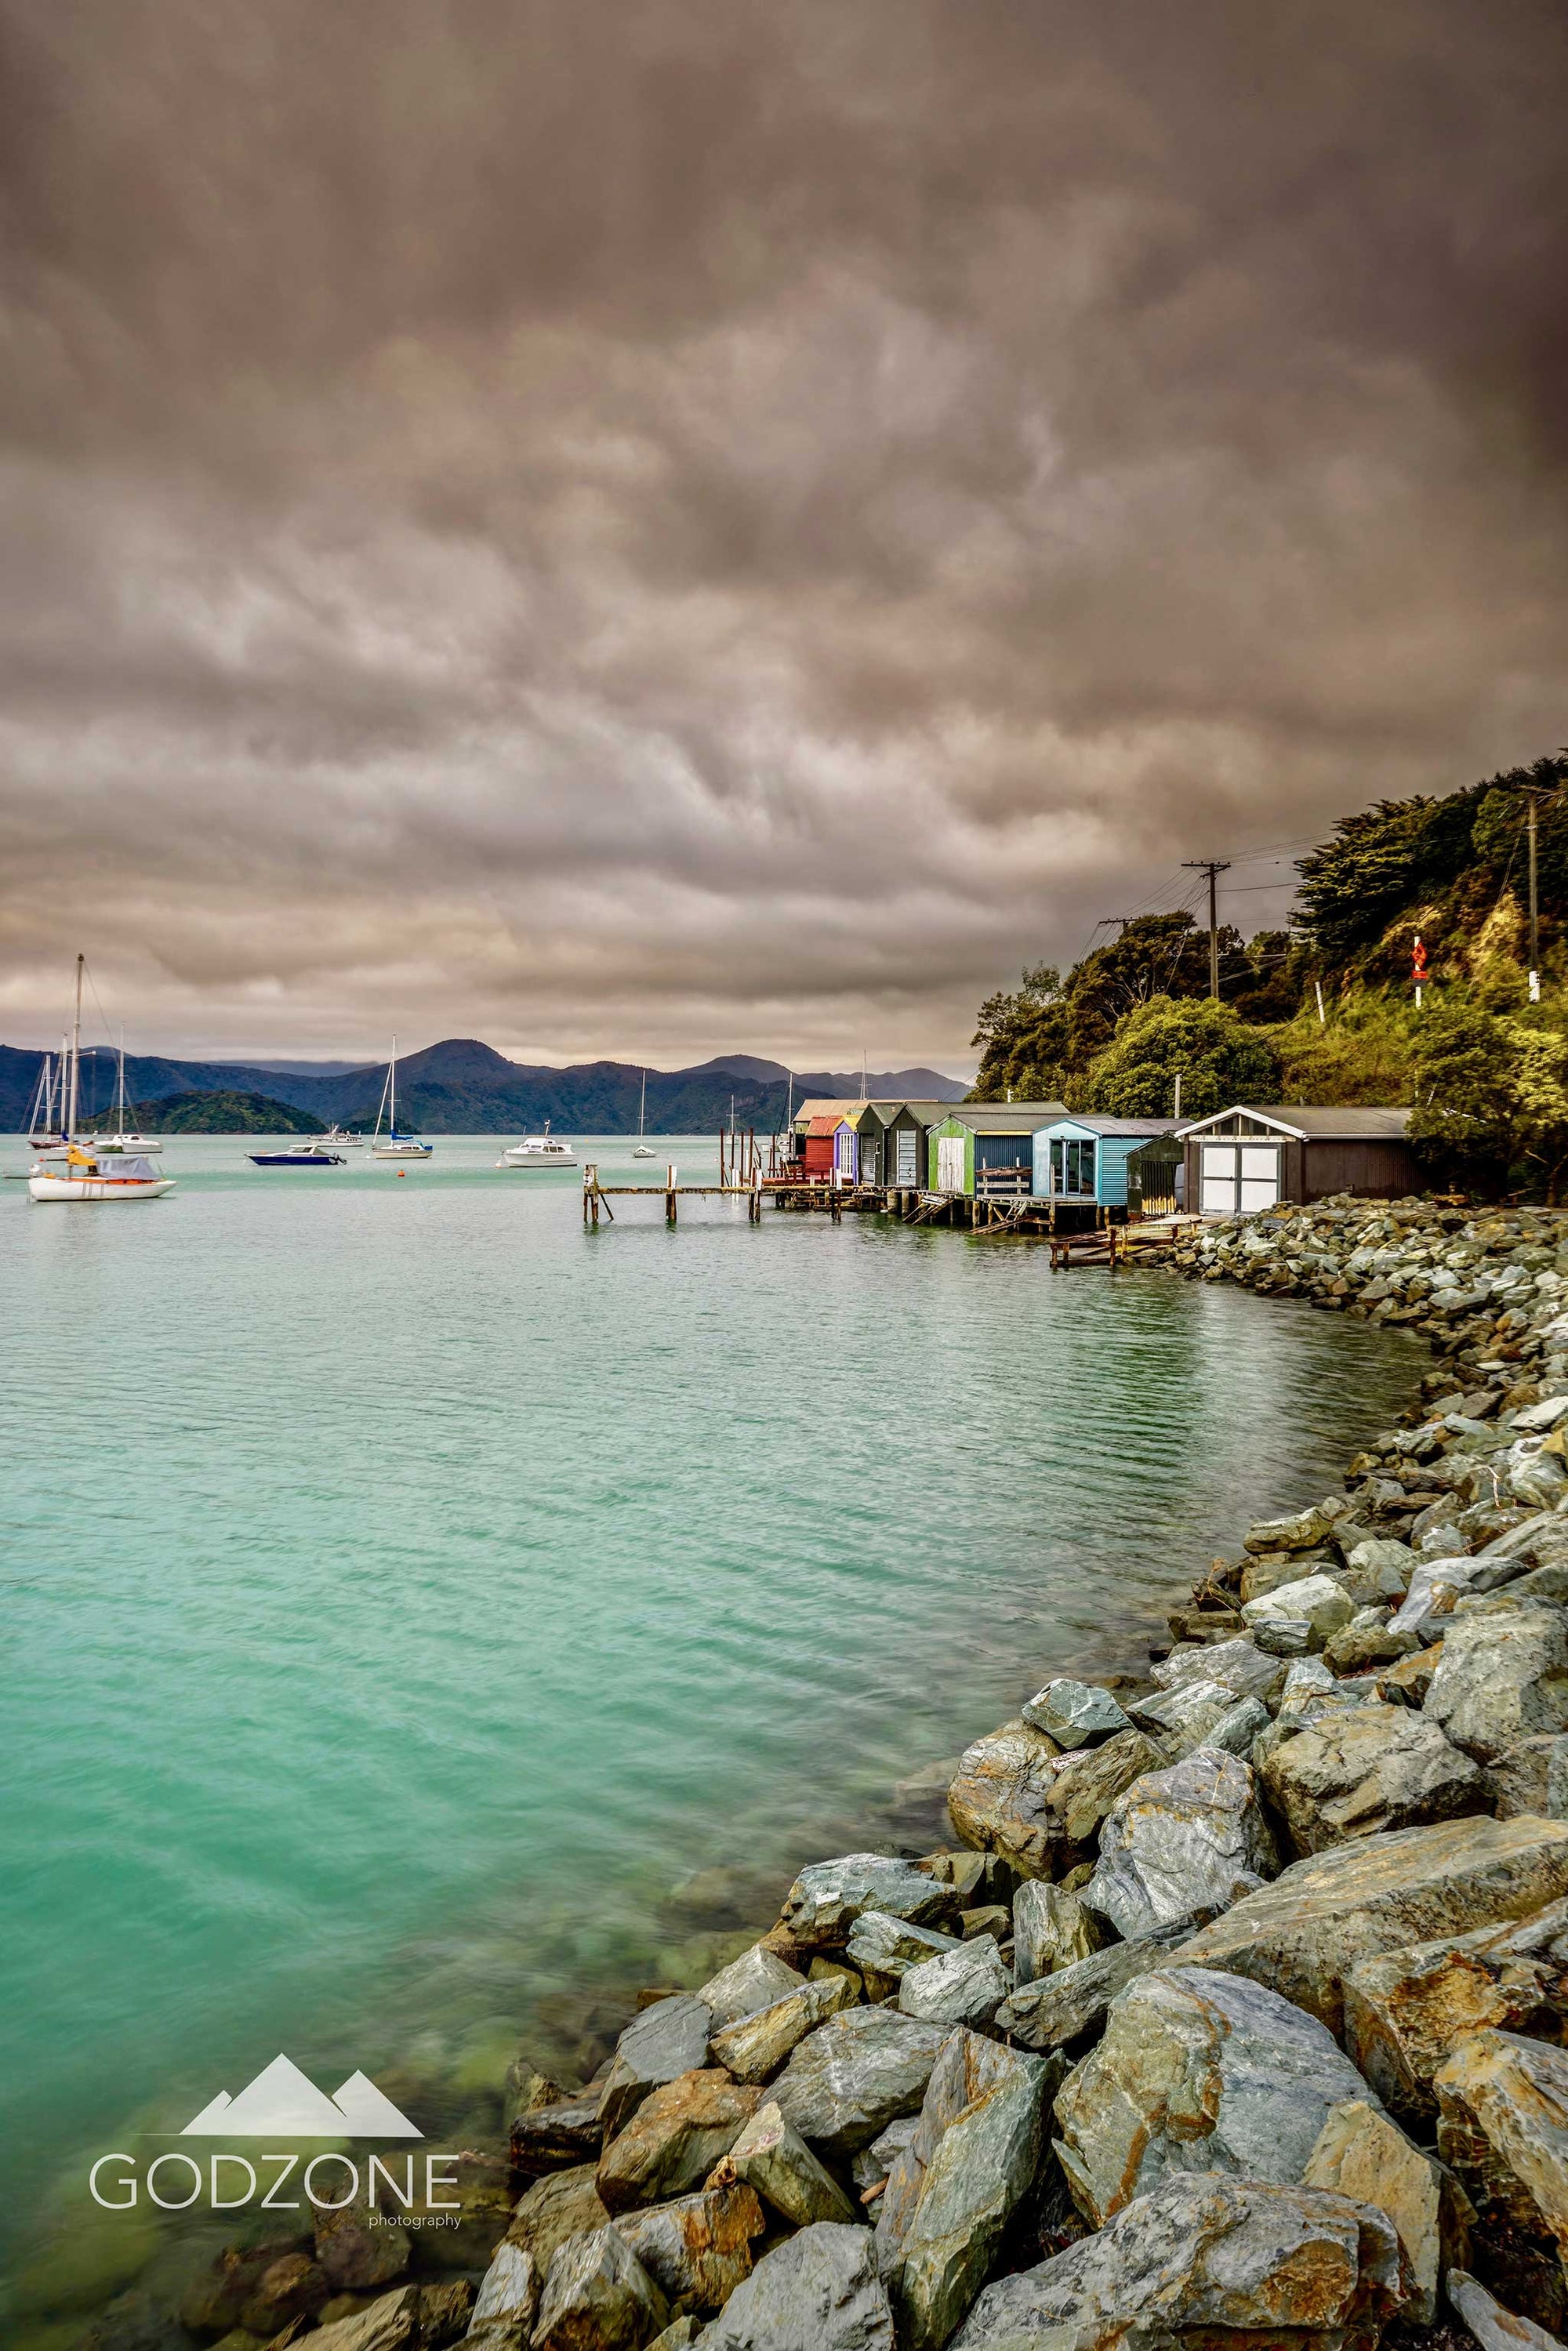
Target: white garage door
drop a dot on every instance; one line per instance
(950, 1163)
(1239, 1175)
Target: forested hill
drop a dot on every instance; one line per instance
(462, 1087)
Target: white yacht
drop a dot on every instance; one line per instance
(124, 1142)
(338, 1138)
(393, 1145)
(643, 1150)
(546, 1150)
(83, 1177)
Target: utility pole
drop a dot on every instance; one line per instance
(1534, 912)
(1212, 866)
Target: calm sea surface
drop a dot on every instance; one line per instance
(405, 1590)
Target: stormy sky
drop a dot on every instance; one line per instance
(664, 527)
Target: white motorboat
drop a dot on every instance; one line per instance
(393, 1145)
(85, 1179)
(338, 1138)
(546, 1150)
(643, 1150)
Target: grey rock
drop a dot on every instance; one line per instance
(1192, 1836)
(1076, 1714)
(1363, 2154)
(675, 2138)
(826, 1899)
(1058, 2008)
(563, 2204)
(1502, 2107)
(1052, 1928)
(1243, 1667)
(1204, 2260)
(1301, 1531)
(1323, 1915)
(598, 2295)
(755, 1980)
(756, 2047)
(1435, 1587)
(953, 2191)
(679, 2335)
(876, 2161)
(358, 2248)
(666, 2041)
(963, 1987)
(1379, 1557)
(1501, 1679)
(1298, 1616)
(562, 2134)
(388, 2325)
(1406, 2012)
(1197, 2072)
(1495, 2328)
(1017, 1794)
(853, 2076)
(698, 2249)
(1531, 1777)
(1365, 1768)
(772, 2158)
(510, 2289)
(818, 2292)
(889, 1945)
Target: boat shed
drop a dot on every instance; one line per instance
(816, 1138)
(987, 1149)
(1250, 1157)
(885, 1145)
(1084, 1159)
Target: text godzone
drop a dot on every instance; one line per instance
(436, 2175)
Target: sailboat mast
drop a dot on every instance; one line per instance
(643, 1108)
(76, 1050)
(391, 1082)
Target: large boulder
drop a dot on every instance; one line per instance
(1197, 2072)
(1503, 2105)
(1530, 1777)
(563, 2204)
(826, 1899)
(1244, 1669)
(818, 2292)
(509, 2293)
(1361, 1768)
(1495, 2328)
(1018, 1794)
(772, 2158)
(1500, 1678)
(1052, 1928)
(1205, 2260)
(1188, 1838)
(698, 2249)
(756, 2047)
(359, 2247)
(1407, 2011)
(1058, 2008)
(854, 2075)
(963, 1987)
(560, 2133)
(1300, 1935)
(755, 1980)
(1076, 1714)
(954, 2187)
(1302, 1531)
(674, 2140)
(1298, 1616)
(1362, 2154)
(598, 2297)
(887, 1946)
(666, 2041)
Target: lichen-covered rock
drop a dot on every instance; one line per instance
(1302, 1531)
(818, 2292)
(1530, 1777)
(1197, 2072)
(1205, 2260)
(674, 2140)
(756, 2047)
(666, 2041)
(963, 1987)
(973, 2156)
(1361, 1768)
(391, 2323)
(1361, 2154)
(854, 2075)
(1244, 1669)
(1076, 1714)
(1406, 2012)
(562, 2205)
(1369, 1639)
(1199, 1713)
(1189, 1837)
(1052, 1928)
(698, 2249)
(1500, 1678)
(887, 1944)
(1322, 1916)
(1502, 2104)
(1017, 1794)
(559, 2134)
(772, 2158)
(1058, 2008)
(509, 2292)
(1298, 1616)
(1495, 2328)
(826, 1899)
(755, 1980)
(598, 2297)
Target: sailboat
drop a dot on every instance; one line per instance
(123, 1141)
(643, 1150)
(46, 1118)
(84, 1177)
(394, 1145)
(55, 1147)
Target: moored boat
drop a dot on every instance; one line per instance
(546, 1150)
(339, 1138)
(393, 1145)
(84, 1178)
(306, 1154)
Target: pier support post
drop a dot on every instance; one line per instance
(670, 1195)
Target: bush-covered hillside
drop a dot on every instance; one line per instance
(216, 1114)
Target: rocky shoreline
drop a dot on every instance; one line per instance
(1232, 2011)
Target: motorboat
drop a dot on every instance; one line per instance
(85, 1179)
(546, 1150)
(338, 1138)
(393, 1145)
(304, 1155)
(644, 1150)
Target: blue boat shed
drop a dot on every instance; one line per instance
(1084, 1159)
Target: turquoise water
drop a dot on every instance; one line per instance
(406, 1589)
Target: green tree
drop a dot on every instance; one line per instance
(1465, 1121)
(1219, 1059)
(1025, 1040)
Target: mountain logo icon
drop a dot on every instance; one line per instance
(284, 2102)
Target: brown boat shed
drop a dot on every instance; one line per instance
(1253, 1156)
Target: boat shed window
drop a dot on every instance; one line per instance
(1072, 1167)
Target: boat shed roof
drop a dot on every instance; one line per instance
(1140, 1130)
(1005, 1118)
(1313, 1122)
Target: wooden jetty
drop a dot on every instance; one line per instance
(597, 1196)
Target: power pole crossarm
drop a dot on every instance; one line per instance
(1213, 867)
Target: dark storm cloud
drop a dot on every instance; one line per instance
(664, 528)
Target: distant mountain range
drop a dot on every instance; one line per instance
(461, 1087)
